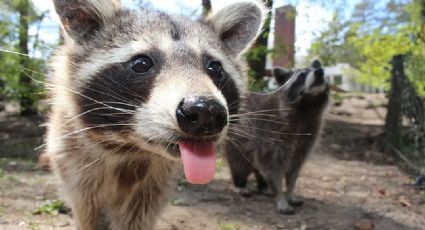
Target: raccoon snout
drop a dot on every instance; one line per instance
(201, 116)
(319, 77)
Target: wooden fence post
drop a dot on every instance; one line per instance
(393, 121)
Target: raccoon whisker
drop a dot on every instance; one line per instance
(93, 127)
(86, 150)
(267, 110)
(99, 158)
(13, 52)
(120, 98)
(271, 131)
(242, 119)
(233, 103)
(91, 104)
(90, 164)
(97, 91)
(124, 87)
(73, 91)
(110, 78)
(114, 150)
(119, 103)
(168, 146)
(239, 149)
(252, 137)
(156, 136)
(113, 114)
(75, 147)
(240, 134)
(81, 114)
(75, 117)
(94, 144)
(220, 86)
(110, 113)
(130, 149)
(258, 119)
(253, 114)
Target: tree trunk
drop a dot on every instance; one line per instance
(393, 122)
(206, 7)
(258, 63)
(26, 99)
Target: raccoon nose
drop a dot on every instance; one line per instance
(319, 77)
(201, 116)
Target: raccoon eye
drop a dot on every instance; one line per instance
(215, 69)
(142, 65)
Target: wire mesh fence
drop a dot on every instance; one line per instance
(405, 131)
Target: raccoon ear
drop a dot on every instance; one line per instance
(82, 17)
(239, 24)
(281, 75)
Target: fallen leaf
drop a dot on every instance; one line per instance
(180, 202)
(280, 226)
(364, 224)
(404, 202)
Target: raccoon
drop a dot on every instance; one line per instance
(135, 91)
(276, 133)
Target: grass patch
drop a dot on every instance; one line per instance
(34, 226)
(229, 227)
(52, 208)
(20, 163)
(219, 165)
(182, 183)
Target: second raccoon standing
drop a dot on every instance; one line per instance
(276, 132)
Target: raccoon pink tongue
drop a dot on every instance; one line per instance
(198, 161)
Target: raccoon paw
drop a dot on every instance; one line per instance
(245, 192)
(284, 208)
(295, 202)
(266, 192)
(287, 210)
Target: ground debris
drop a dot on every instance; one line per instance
(363, 224)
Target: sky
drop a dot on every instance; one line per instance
(311, 19)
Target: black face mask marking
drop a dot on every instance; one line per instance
(223, 81)
(111, 96)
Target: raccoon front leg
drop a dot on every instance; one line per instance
(261, 182)
(240, 168)
(240, 180)
(275, 183)
(291, 179)
(262, 185)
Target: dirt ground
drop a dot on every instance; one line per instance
(347, 183)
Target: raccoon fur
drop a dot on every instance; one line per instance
(277, 131)
(135, 91)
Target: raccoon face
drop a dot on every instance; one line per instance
(162, 83)
(303, 86)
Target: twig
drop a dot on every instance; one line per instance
(404, 158)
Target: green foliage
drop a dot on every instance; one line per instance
(369, 39)
(256, 56)
(10, 85)
(18, 69)
(377, 50)
(52, 208)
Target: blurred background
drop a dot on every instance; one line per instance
(366, 173)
